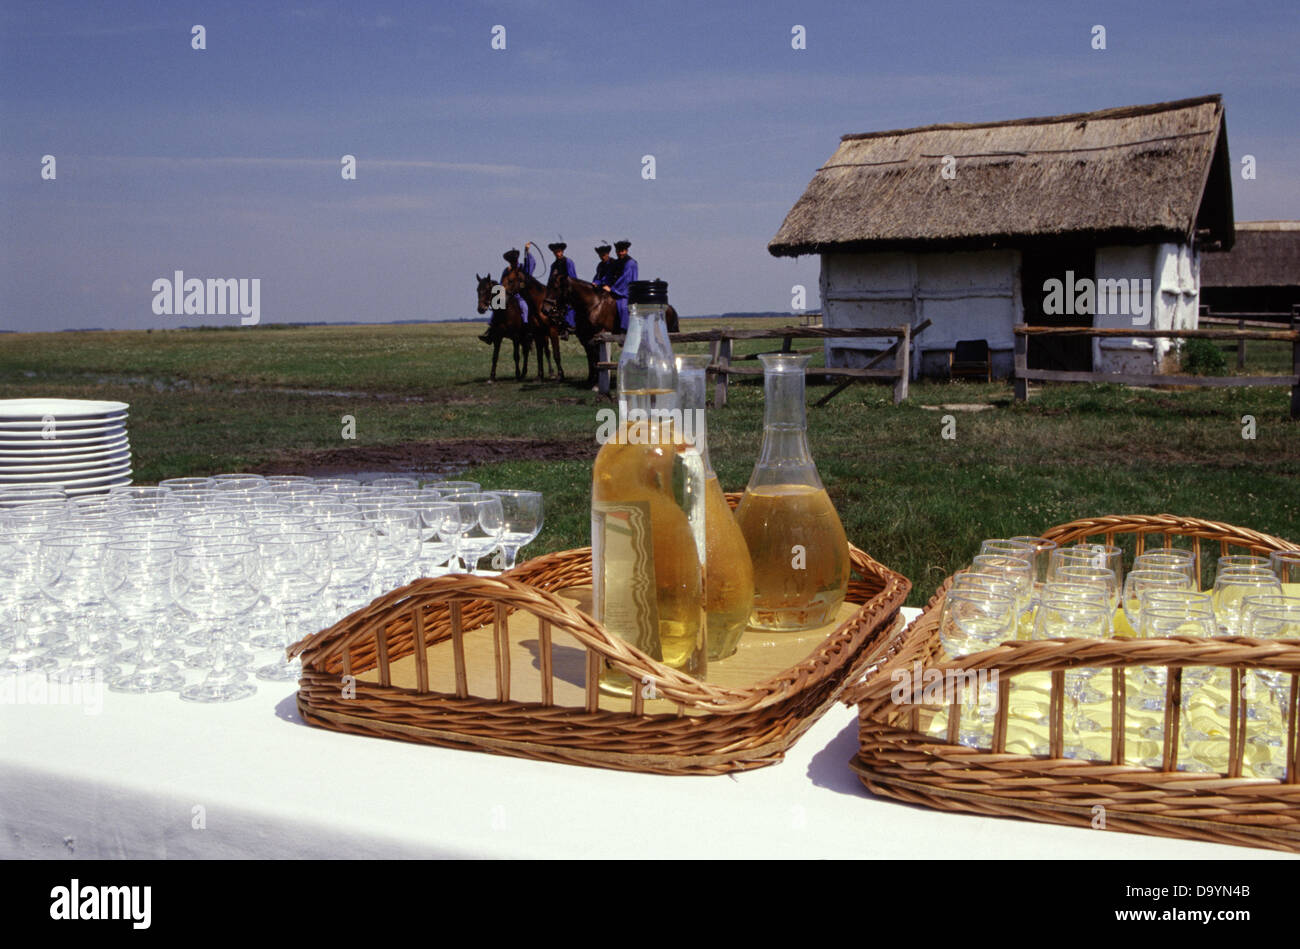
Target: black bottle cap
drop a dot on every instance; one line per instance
(647, 291)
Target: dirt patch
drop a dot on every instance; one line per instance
(449, 456)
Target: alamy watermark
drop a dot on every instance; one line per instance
(1105, 297)
(217, 296)
(922, 686)
(37, 688)
(644, 426)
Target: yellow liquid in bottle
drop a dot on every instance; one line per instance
(728, 574)
(641, 476)
(800, 555)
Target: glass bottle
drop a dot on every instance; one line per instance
(647, 506)
(728, 572)
(797, 543)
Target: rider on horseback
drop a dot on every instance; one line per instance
(512, 278)
(565, 266)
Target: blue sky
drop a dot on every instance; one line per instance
(225, 162)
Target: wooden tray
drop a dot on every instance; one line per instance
(510, 665)
(898, 757)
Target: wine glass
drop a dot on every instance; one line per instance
(1140, 580)
(1068, 618)
(354, 557)
(69, 574)
(295, 568)
(19, 561)
(137, 578)
(1286, 564)
(971, 621)
(1272, 620)
(218, 583)
(1231, 586)
(482, 523)
(522, 519)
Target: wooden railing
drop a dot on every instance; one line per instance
(721, 367)
(1024, 375)
(1251, 320)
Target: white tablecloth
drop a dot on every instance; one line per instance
(152, 776)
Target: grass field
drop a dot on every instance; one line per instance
(272, 398)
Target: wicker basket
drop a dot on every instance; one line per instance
(897, 758)
(348, 679)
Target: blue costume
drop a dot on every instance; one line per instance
(625, 272)
(565, 265)
(526, 267)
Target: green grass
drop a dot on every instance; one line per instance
(228, 400)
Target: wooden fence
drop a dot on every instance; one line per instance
(722, 365)
(1253, 320)
(1024, 375)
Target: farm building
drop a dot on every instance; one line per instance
(1261, 274)
(968, 225)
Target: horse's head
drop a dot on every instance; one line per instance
(484, 293)
(557, 294)
(513, 281)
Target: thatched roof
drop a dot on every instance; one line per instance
(1266, 254)
(1138, 174)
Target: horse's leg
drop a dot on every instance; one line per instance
(541, 353)
(522, 374)
(496, 351)
(555, 345)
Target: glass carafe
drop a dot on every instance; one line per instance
(647, 507)
(728, 572)
(796, 541)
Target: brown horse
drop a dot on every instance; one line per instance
(507, 323)
(540, 324)
(595, 311)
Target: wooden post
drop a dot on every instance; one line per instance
(903, 364)
(1021, 365)
(602, 376)
(1241, 347)
(724, 363)
(1295, 364)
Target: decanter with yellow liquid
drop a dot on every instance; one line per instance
(728, 571)
(796, 541)
(648, 506)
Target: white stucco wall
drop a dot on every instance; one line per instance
(970, 295)
(1169, 301)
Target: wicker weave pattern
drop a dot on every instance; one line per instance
(716, 729)
(896, 759)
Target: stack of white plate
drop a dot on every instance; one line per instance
(77, 444)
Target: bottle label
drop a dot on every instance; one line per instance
(624, 580)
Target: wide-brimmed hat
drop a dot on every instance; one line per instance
(511, 256)
(622, 245)
(603, 249)
(558, 245)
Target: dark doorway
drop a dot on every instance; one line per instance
(1038, 265)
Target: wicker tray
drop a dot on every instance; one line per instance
(431, 663)
(899, 759)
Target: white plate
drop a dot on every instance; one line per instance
(54, 451)
(59, 408)
(22, 426)
(33, 437)
(94, 464)
(81, 444)
(69, 477)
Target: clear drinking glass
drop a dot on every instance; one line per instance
(69, 574)
(294, 570)
(482, 524)
(522, 518)
(1074, 618)
(218, 583)
(970, 622)
(1139, 581)
(137, 577)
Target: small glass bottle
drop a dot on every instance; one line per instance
(797, 543)
(647, 506)
(728, 572)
